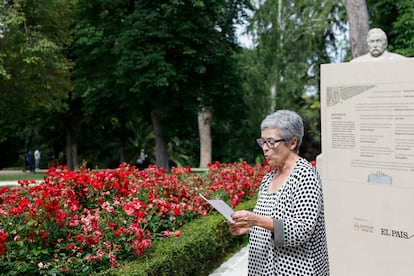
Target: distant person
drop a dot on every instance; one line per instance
(26, 158)
(28, 161)
(37, 159)
(377, 42)
(287, 226)
(141, 161)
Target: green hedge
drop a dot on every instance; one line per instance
(204, 244)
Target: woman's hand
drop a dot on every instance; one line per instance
(236, 230)
(244, 219)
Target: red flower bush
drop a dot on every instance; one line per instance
(86, 221)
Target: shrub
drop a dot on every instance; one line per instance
(204, 243)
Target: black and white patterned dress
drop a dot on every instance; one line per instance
(298, 244)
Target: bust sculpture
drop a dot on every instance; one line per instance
(377, 43)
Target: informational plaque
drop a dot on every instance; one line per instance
(367, 112)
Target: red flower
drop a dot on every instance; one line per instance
(177, 211)
(80, 238)
(91, 240)
(60, 217)
(3, 236)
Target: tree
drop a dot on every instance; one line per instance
(204, 129)
(108, 106)
(358, 19)
(292, 40)
(172, 54)
(34, 71)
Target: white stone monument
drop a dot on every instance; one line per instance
(367, 113)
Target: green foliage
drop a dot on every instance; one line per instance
(34, 70)
(169, 58)
(396, 18)
(35, 73)
(293, 39)
(177, 57)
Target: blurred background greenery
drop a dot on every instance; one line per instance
(98, 81)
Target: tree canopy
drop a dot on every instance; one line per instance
(34, 68)
(102, 79)
(159, 61)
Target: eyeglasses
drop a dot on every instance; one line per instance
(270, 142)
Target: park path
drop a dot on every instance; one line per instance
(235, 266)
(13, 182)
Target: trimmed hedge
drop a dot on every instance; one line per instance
(204, 244)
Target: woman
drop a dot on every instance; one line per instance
(287, 227)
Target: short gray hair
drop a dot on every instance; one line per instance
(288, 123)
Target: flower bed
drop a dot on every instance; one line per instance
(90, 220)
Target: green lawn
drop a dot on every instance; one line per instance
(6, 176)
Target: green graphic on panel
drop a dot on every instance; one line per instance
(336, 94)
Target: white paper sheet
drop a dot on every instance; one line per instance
(221, 207)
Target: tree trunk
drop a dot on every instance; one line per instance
(358, 25)
(204, 117)
(161, 148)
(71, 146)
